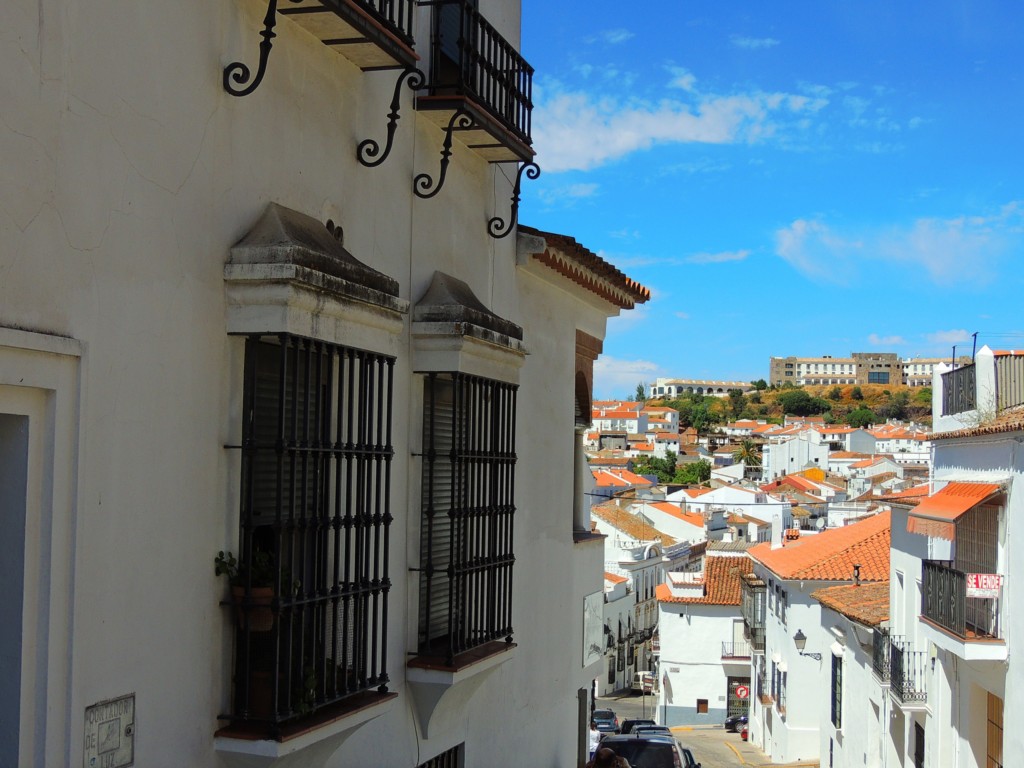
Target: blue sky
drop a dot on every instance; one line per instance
(787, 178)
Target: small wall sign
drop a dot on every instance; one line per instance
(983, 584)
(110, 733)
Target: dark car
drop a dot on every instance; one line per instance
(662, 730)
(650, 751)
(606, 720)
(735, 723)
(629, 725)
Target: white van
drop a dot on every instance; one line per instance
(643, 682)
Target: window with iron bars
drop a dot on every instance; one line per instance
(468, 507)
(315, 516)
(450, 758)
(837, 692)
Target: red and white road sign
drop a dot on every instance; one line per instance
(742, 691)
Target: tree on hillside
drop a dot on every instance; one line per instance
(663, 468)
(755, 397)
(641, 394)
(759, 384)
(862, 417)
(737, 402)
(748, 454)
(895, 407)
(694, 473)
(836, 393)
(856, 393)
(798, 403)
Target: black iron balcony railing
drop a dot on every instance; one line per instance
(740, 650)
(880, 651)
(959, 390)
(944, 601)
(472, 60)
(1009, 381)
(907, 673)
(373, 34)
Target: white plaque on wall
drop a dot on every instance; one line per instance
(110, 733)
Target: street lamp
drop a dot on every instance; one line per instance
(801, 642)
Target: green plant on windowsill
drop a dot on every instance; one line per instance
(253, 609)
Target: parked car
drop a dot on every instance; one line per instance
(650, 751)
(606, 720)
(658, 729)
(735, 723)
(629, 724)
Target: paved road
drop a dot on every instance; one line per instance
(713, 747)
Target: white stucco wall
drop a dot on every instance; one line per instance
(129, 174)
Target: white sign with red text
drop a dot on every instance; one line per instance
(984, 584)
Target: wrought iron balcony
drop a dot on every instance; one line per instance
(907, 674)
(944, 602)
(959, 390)
(736, 650)
(478, 85)
(372, 34)
(880, 653)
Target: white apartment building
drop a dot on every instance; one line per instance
(783, 456)
(242, 309)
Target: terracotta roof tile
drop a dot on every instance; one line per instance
(614, 578)
(722, 576)
(1010, 420)
(831, 554)
(865, 603)
(630, 525)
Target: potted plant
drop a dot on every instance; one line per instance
(253, 610)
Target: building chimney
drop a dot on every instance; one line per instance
(776, 531)
(856, 574)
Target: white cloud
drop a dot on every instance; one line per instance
(885, 341)
(682, 79)
(753, 43)
(617, 378)
(682, 315)
(616, 36)
(567, 195)
(941, 248)
(717, 258)
(949, 337)
(575, 130)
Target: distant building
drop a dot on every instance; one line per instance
(858, 368)
(677, 387)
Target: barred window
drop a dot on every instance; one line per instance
(315, 516)
(466, 555)
(450, 758)
(837, 692)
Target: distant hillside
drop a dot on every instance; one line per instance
(867, 403)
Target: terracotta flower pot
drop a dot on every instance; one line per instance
(256, 615)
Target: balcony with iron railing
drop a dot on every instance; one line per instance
(372, 34)
(959, 390)
(740, 650)
(478, 84)
(908, 671)
(880, 653)
(970, 627)
(990, 384)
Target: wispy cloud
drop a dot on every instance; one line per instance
(566, 195)
(575, 130)
(682, 315)
(683, 79)
(885, 341)
(612, 36)
(753, 43)
(614, 377)
(949, 337)
(717, 258)
(939, 247)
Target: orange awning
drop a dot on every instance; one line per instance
(936, 514)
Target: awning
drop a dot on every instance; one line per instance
(936, 514)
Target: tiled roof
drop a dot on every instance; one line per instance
(869, 462)
(864, 603)
(1010, 420)
(618, 478)
(907, 496)
(585, 268)
(722, 574)
(632, 526)
(831, 554)
(847, 455)
(672, 509)
(614, 578)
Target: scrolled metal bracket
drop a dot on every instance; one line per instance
(368, 152)
(239, 72)
(423, 184)
(496, 227)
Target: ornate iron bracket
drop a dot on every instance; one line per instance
(239, 72)
(423, 184)
(496, 227)
(369, 149)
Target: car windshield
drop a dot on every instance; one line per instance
(647, 754)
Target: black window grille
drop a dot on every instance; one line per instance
(837, 692)
(315, 517)
(450, 758)
(466, 554)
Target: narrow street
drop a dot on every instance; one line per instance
(712, 746)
